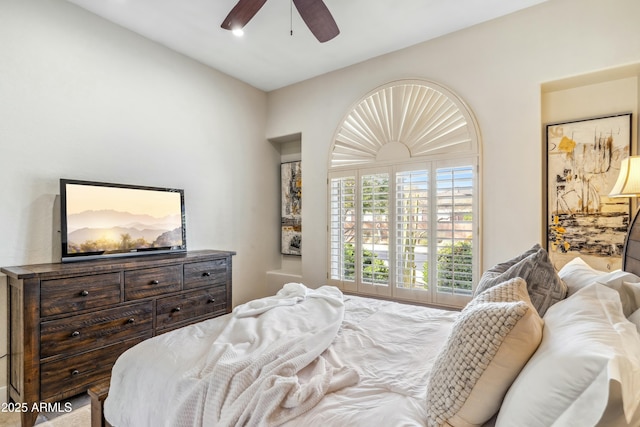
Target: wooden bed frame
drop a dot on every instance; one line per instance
(98, 394)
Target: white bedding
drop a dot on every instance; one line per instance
(391, 346)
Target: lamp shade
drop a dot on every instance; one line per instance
(628, 183)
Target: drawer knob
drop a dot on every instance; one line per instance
(84, 293)
(206, 274)
(75, 372)
(177, 309)
(75, 333)
(211, 300)
(155, 282)
(132, 320)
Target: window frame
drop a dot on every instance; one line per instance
(369, 141)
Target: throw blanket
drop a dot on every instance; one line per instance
(266, 367)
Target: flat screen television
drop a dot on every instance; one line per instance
(100, 220)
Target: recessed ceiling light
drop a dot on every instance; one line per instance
(238, 32)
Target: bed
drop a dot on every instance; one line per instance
(534, 347)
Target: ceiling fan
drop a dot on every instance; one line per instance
(314, 13)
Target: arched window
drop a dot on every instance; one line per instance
(404, 196)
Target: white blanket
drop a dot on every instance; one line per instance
(264, 367)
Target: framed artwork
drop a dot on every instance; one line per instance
(291, 211)
(583, 162)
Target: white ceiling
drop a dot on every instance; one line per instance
(269, 57)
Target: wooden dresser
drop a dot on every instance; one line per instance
(69, 322)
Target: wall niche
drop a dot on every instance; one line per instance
(290, 266)
(598, 94)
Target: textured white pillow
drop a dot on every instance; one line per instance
(490, 342)
(587, 346)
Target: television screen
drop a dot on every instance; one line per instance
(102, 219)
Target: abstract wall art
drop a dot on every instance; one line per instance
(291, 214)
(583, 162)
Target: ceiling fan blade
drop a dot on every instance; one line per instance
(241, 14)
(318, 18)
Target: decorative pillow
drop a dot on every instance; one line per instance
(588, 348)
(544, 286)
(490, 342)
(487, 278)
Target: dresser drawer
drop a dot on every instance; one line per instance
(206, 273)
(149, 282)
(173, 310)
(65, 337)
(64, 377)
(71, 294)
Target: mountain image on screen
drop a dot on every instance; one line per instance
(115, 231)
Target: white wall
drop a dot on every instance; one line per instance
(497, 68)
(82, 98)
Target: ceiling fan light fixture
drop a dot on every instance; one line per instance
(313, 12)
(238, 32)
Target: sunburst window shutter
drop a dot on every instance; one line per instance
(404, 196)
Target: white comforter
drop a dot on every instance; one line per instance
(209, 373)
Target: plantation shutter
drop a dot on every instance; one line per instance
(342, 231)
(404, 196)
(412, 228)
(374, 233)
(455, 230)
